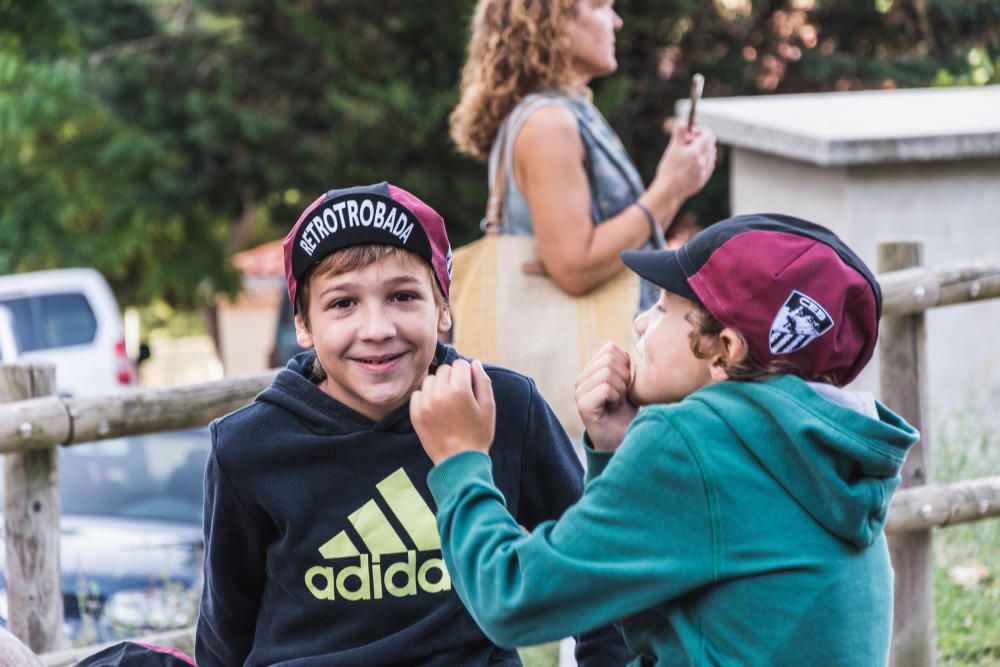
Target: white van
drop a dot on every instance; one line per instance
(69, 317)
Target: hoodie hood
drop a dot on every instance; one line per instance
(839, 464)
(293, 390)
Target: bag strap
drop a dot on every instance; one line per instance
(492, 222)
(493, 217)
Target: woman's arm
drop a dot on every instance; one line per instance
(549, 169)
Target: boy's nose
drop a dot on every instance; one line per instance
(378, 325)
(642, 321)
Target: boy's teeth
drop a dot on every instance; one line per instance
(375, 360)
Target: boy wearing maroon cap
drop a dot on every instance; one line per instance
(737, 519)
(320, 536)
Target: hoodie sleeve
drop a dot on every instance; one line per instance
(551, 481)
(642, 534)
(234, 571)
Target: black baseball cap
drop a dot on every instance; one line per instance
(380, 213)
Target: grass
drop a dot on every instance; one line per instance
(543, 655)
(967, 446)
(968, 627)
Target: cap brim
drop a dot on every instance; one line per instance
(662, 268)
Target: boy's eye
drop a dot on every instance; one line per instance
(341, 303)
(403, 296)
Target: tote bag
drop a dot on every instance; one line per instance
(518, 319)
(525, 322)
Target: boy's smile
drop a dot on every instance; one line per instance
(374, 331)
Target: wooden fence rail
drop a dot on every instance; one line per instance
(31, 429)
(43, 422)
(920, 508)
(47, 421)
(913, 290)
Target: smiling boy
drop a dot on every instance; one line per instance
(736, 520)
(321, 543)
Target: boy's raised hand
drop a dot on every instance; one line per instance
(454, 411)
(602, 397)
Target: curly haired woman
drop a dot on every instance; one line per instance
(569, 180)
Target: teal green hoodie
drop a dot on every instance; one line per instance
(741, 526)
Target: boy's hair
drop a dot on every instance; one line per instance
(352, 258)
(802, 300)
(705, 341)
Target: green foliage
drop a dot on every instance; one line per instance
(81, 185)
(35, 29)
(272, 103)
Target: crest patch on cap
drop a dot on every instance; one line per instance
(800, 321)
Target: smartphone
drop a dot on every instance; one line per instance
(697, 86)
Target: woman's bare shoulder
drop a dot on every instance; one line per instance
(549, 118)
(549, 129)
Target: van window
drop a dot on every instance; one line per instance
(51, 320)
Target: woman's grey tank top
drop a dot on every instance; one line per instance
(614, 181)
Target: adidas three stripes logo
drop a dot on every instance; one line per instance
(383, 565)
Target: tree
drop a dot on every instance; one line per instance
(81, 186)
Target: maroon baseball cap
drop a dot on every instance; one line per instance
(794, 290)
(379, 213)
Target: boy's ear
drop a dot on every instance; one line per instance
(731, 350)
(302, 334)
(444, 320)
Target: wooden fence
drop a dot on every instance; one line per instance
(33, 423)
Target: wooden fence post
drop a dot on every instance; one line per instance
(31, 521)
(903, 379)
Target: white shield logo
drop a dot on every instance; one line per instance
(799, 322)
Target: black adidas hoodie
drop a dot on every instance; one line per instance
(321, 542)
